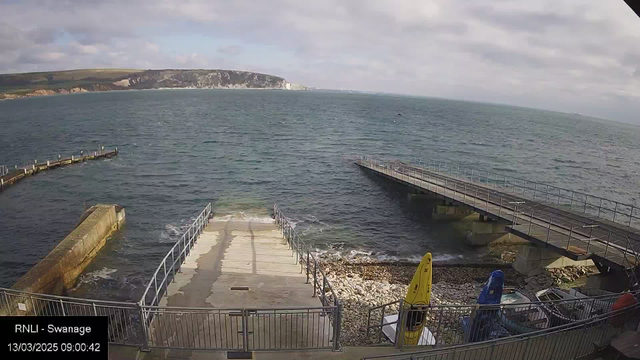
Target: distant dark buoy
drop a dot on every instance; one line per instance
(399, 114)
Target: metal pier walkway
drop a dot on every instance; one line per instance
(241, 285)
(575, 225)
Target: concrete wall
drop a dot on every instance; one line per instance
(59, 270)
(480, 231)
(531, 257)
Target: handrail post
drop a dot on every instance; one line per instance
(315, 277)
(307, 266)
(399, 338)
(173, 267)
(145, 328)
(166, 285)
(630, 215)
(324, 290)
(600, 207)
(245, 330)
(615, 210)
(546, 198)
(572, 195)
(530, 221)
(337, 325)
(569, 240)
(586, 199)
(487, 202)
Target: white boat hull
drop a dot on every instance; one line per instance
(389, 330)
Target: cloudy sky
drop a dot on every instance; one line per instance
(567, 55)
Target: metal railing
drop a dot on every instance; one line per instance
(244, 329)
(4, 170)
(566, 342)
(124, 319)
(458, 324)
(308, 262)
(593, 205)
(145, 324)
(172, 262)
(550, 224)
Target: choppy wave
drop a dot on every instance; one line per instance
(95, 276)
(172, 232)
(290, 150)
(244, 217)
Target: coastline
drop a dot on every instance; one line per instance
(4, 96)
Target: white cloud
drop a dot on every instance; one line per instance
(52, 56)
(230, 50)
(83, 49)
(152, 48)
(568, 55)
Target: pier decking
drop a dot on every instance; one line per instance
(535, 216)
(12, 176)
(240, 263)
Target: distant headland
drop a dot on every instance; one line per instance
(14, 86)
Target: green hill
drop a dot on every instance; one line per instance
(86, 80)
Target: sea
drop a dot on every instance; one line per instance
(245, 150)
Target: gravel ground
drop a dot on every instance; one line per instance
(363, 283)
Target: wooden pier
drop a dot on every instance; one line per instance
(12, 176)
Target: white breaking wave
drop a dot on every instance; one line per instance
(447, 257)
(171, 233)
(102, 274)
(335, 254)
(245, 217)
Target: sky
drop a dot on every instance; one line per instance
(576, 56)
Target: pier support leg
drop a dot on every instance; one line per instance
(450, 212)
(479, 230)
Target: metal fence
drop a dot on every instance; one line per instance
(172, 262)
(308, 262)
(566, 342)
(244, 329)
(241, 329)
(304, 256)
(145, 324)
(600, 207)
(449, 325)
(550, 224)
(125, 325)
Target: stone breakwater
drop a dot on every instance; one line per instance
(362, 284)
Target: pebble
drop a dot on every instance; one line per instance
(363, 284)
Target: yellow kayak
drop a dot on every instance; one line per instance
(419, 293)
